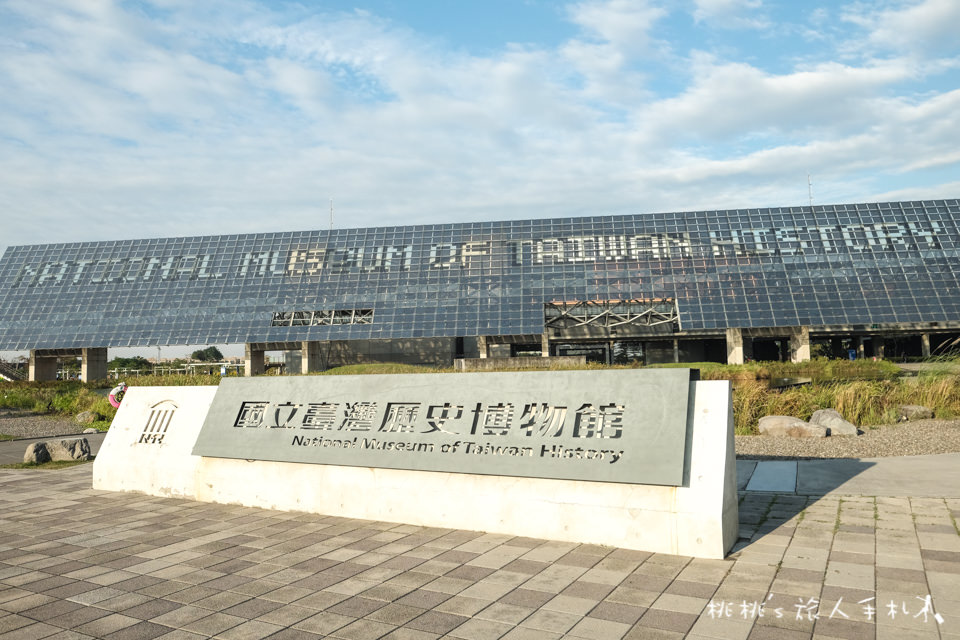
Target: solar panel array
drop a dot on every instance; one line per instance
(827, 265)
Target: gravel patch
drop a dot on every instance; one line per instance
(30, 425)
(915, 438)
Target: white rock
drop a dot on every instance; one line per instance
(833, 422)
(789, 427)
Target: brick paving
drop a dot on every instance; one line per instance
(77, 563)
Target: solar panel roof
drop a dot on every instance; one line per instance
(870, 263)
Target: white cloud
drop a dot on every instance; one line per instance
(615, 45)
(625, 24)
(731, 13)
(228, 117)
(726, 101)
(928, 25)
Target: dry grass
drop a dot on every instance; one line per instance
(864, 392)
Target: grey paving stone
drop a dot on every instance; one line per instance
(139, 631)
(477, 629)
(617, 612)
(251, 608)
(362, 630)
(650, 633)
(357, 607)
(101, 627)
(760, 632)
(693, 589)
(667, 620)
(598, 629)
(410, 634)
(522, 633)
(34, 631)
(847, 629)
(26, 602)
(587, 590)
(502, 612)
(526, 597)
(287, 615)
(250, 630)
(13, 621)
(296, 634)
(324, 623)
(213, 624)
(51, 610)
(411, 573)
(436, 622)
(182, 616)
(551, 621)
(78, 616)
(423, 598)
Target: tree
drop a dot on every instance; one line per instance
(136, 362)
(210, 354)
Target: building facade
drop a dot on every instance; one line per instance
(881, 279)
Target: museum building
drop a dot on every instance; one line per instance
(861, 280)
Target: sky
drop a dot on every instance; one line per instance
(174, 117)
(137, 119)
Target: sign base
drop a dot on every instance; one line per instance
(697, 518)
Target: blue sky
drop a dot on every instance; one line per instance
(177, 117)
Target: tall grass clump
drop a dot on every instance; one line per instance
(868, 402)
(939, 392)
(175, 380)
(60, 398)
(380, 368)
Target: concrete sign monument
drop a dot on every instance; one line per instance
(639, 459)
(609, 426)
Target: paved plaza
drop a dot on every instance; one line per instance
(79, 563)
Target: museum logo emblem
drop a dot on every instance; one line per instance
(155, 428)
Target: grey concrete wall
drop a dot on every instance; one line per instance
(427, 351)
(42, 367)
(93, 365)
(506, 364)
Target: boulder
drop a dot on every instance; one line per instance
(91, 430)
(36, 453)
(833, 422)
(88, 417)
(69, 449)
(789, 427)
(914, 412)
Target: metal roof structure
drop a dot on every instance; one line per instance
(877, 263)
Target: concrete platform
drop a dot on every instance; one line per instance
(78, 563)
(935, 476)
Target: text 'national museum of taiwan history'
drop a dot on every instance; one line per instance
(868, 280)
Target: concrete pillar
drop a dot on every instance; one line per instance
(253, 361)
(676, 350)
(310, 360)
(800, 345)
(482, 346)
(42, 367)
(544, 345)
(93, 364)
(925, 345)
(734, 346)
(858, 345)
(878, 347)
